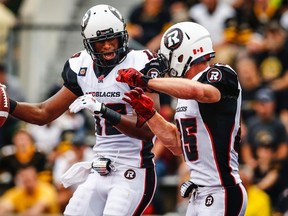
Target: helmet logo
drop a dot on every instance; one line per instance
(85, 20)
(116, 13)
(153, 72)
(214, 75)
(173, 39)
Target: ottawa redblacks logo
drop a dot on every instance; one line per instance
(214, 75)
(130, 174)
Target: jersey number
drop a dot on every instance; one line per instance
(109, 128)
(189, 130)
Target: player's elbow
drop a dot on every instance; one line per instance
(41, 119)
(40, 122)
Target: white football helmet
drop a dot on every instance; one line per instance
(184, 44)
(103, 22)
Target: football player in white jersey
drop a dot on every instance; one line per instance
(121, 179)
(207, 118)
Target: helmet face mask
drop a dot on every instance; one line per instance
(94, 30)
(185, 44)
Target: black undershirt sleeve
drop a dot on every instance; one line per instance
(70, 79)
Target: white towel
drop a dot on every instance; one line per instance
(76, 174)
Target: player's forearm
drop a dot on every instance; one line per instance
(166, 132)
(177, 87)
(44, 112)
(34, 113)
(127, 126)
(30, 113)
(186, 89)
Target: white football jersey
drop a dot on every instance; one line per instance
(81, 76)
(210, 132)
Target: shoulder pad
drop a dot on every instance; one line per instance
(222, 77)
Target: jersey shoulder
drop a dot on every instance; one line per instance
(219, 73)
(223, 77)
(141, 56)
(150, 63)
(78, 59)
(72, 68)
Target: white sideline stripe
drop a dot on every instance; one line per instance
(4, 114)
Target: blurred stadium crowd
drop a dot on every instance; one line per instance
(250, 35)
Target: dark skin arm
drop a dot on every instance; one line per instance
(47, 111)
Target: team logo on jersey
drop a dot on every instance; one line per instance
(214, 75)
(130, 174)
(108, 94)
(82, 71)
(173, 39)
(153, 72)
(209, 201)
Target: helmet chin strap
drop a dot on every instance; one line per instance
(171, 70)
(170, 56)
(186, 66)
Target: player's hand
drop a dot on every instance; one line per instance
(142, 104)
(133, 78)
(87, 102)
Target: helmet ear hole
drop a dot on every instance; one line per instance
(180, 58)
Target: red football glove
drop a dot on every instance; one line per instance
(133, 78)
(143, 105)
